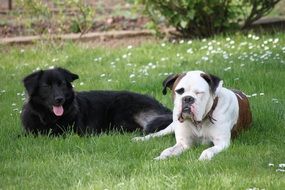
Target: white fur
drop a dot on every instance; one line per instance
(186, 134)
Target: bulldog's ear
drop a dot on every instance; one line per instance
(31, 81)
(214, 82)
(168, 82)
(70, 77)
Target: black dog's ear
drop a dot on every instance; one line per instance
(168, 82)
(212, 80)
(31, 81)
(70, 77)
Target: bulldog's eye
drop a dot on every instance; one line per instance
(180, 91)
(199, 93)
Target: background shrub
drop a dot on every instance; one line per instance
(207, 17)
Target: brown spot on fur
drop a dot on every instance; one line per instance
(245, 118)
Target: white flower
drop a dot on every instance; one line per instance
(82, 83)
(132, 75)
(181, 41)
(225, 56)
(189, 42)
(275, 40)
(261, 94)
(280, 170)
(163, 44)
(103, 75)
(255, 38)
(124, 56)
(54, 59)
(228, 68)
(130, 46)
(189, 50)
(205, 58)
(281, 165)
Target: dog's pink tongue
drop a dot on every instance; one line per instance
(57, 110)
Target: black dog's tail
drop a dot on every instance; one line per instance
(159, 123)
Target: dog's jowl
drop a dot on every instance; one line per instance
(53, 107)
(204, 112)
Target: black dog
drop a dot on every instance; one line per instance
(54, 108)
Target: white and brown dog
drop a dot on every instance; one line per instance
(204, 112)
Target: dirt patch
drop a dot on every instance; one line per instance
(120, 42)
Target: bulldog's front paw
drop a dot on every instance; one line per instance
(160, 157)
(206, 155)
(166, 153)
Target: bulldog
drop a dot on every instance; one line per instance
(204, 112)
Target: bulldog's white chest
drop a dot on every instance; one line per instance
(187, 132)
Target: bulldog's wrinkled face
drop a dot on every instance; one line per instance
(193, 93)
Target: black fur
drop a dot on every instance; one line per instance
(168, 82)
(158, 123)
(212, 80)
(84, 112)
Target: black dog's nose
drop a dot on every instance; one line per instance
(59, 100)
(188, 99)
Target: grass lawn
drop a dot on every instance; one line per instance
(254, 64)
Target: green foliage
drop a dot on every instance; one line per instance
(84, 18)
(74, 15)
(206, 18)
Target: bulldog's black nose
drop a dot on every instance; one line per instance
(59, 100)
(188, 99)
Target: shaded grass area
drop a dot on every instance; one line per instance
(254, 64)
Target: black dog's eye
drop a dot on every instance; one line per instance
(61, 83)
(180, 91)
